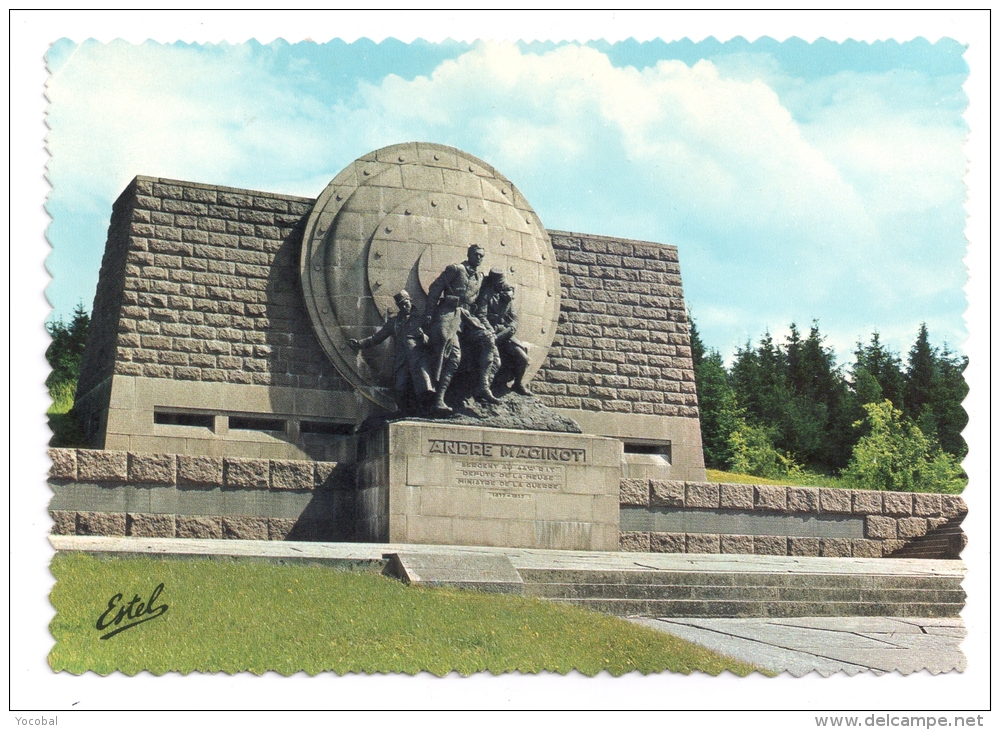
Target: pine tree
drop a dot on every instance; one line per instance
(920, 375)
(720, 415)
(884, 366)
(950, 389)
(65, 351)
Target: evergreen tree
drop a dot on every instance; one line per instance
(65, 351)
(717, 407)
(697, 346)
(950, 389)
(720, 415)
(884, 366)
(920, 375)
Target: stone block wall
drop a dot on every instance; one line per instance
(119, 493)
(208, 288)
(622, 344)
(788, 520)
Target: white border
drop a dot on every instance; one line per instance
(34, 687)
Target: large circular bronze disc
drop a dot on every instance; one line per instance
(394, 219)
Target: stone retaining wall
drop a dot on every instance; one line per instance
(121, 493)
(886, 522)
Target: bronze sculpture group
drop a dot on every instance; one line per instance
(469, 318)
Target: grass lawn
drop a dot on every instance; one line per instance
(234, 616)
(808, 479)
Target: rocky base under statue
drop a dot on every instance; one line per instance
(513, 411)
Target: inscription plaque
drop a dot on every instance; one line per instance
(509, 475)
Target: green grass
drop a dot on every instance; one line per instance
(66, 431)
(245, 615)
(808, 479)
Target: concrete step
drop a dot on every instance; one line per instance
(741, 593)
(687, 578)
(760, 609)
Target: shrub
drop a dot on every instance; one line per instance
(754, 453)
(896, 455)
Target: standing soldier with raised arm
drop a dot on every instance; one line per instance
(410, 377)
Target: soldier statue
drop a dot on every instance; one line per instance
(410, 376)
(495, 306)
(455, 330)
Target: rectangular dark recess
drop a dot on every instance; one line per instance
(246, 423)
(656, 449)
(329, 429)
(203, 420)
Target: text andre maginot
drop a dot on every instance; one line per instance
(507, 451)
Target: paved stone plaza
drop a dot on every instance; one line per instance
(830, 644)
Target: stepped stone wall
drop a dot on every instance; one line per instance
(121, 493)
(785, 520)
(105, 492)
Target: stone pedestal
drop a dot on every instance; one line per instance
(464, 485)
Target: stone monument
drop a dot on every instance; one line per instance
(486, 381)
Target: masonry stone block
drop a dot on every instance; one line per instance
(803, 499)
(111, 524)
(667, 542)
(286, 474)
(934, 523)
(279, 528)
(910, 527)
(770, 545)
(866, 503)
(807, 546)
(697, 543)
(203, 471)
(101, 466)
(927, 505)
(63, 522)
(63, 464)
(331, 475)
(736, 496)
(160, 469)
(634, 492)
(952, 505)
(880, 528)
(634, 542)
(244, 528)
(736, 544)
(701, 494)
(897, 503)
(245, 473)
(205, 528)
(770, 497)
(891, 546)
(835, 501)
(866, 548)
(835, 547)
(148, 525)
(666, 494)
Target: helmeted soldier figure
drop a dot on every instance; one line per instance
(455, 330)
(495, 306)
(410, 376)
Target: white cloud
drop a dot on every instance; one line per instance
(833, 197)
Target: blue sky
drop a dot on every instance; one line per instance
(799, 181)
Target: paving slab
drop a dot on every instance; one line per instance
(828, 645)
(486, 573)
(521, 558)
